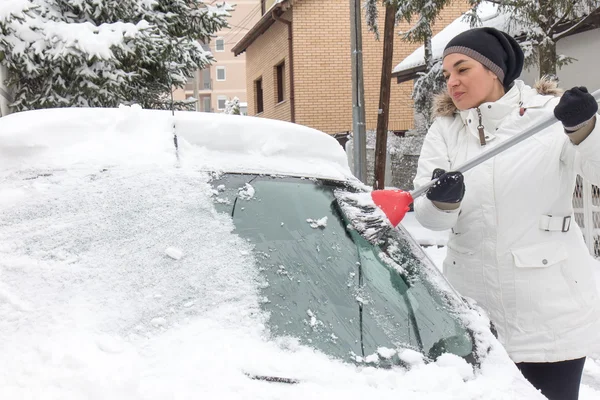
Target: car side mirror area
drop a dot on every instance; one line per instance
(454, 345)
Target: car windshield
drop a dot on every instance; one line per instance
(326, 285)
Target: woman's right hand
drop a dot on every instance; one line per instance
(448, 191)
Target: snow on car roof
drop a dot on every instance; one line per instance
(67, 137)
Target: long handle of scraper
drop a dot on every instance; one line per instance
(395, 203)
(486, 155)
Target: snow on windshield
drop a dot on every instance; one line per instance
(90, 303)
(118, 278)
(84, 275)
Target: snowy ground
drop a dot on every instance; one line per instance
(434, 244)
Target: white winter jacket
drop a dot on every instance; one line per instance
(515, 247)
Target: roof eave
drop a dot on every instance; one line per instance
(263, 24)
(408, 74)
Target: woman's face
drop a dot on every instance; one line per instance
(469, 83)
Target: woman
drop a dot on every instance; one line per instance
(514, 246)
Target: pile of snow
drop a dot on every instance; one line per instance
(86, 288)
(247, 192)
(89, 137)
(258, 145)
(317, 223)
(60, 138)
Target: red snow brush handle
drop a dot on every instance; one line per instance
(394, 203)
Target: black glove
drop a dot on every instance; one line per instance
(575, 108)
(450, 188)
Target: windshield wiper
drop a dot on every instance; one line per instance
(236, 196)
(401, 289)
(276, 379)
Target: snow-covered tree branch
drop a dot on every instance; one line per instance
(428, 84)
(86, 53)
(232, 107)
(542, 23)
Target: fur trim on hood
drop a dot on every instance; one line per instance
(443, 106)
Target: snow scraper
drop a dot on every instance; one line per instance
(395, 203)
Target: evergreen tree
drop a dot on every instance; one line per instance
(426, 86)
(102, 53)
(542, 23)
(232, 107)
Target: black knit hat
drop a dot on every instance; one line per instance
(495, 49)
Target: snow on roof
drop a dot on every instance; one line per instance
(489, 16)
(97, 137)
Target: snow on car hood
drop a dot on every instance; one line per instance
(59, 138)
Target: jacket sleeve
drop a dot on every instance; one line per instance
(586, 155)
(434, 154)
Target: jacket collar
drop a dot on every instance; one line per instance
(493, 112)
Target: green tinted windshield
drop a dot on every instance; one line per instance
(326, 285)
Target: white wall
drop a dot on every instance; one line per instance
(584, 47)
(583, 72)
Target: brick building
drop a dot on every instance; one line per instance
(298, 65)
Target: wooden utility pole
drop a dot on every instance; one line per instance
(384, 95)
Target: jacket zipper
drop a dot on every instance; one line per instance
(480, 128)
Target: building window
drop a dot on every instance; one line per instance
(207, 104)
(220, 44)
(205, 79)
(220, 73)
(221, 100)
(258, 95)
(279, 82)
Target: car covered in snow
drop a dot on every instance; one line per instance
(150, 255)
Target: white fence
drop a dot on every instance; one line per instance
(586, 203)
